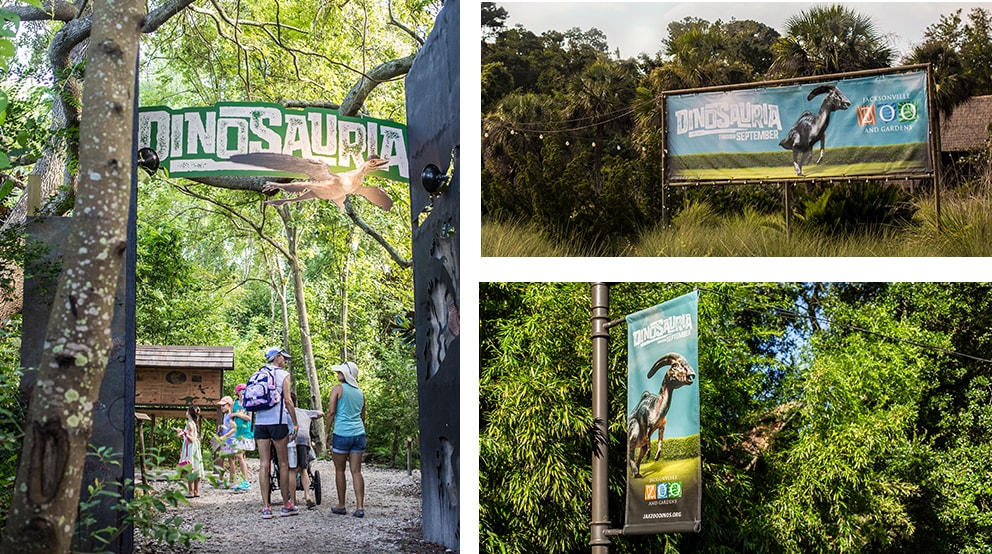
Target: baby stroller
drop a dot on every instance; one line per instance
(314, 476)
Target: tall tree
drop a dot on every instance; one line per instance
(701, 54)
(971, 40)
(302, 315)
(493, 21)
(960, 53)
(78, 345)
(829, 39)
(952, 85)
(599, 98)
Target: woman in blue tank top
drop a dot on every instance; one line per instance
(346, 410)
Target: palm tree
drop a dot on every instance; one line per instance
(506, 136)
(699, 58)
(952, 85)
(829, 39)
(599, 98)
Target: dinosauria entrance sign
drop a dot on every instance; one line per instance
(664, 466)
(197, 142)
(836, 126)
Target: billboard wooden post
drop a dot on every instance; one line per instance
(787, 186)
(934, 142)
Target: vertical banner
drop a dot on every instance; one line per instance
(664, 466)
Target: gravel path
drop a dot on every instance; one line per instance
(232, 519)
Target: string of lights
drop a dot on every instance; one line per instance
(535, 127)
(568, 125)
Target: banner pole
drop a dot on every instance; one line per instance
(598, 539)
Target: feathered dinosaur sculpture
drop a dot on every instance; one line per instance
(323, 184)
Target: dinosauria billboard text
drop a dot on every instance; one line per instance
(859, 126)
(197, 142)
(664, 469)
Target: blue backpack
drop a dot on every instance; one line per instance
(261, 391)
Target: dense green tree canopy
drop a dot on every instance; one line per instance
(213, 267)
(836, 417)
(829, 39)
(566, 118)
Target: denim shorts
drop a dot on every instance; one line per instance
(347, 445)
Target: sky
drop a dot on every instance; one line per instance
(640, 27)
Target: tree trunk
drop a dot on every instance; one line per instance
(345, 275)
(306, 345)
(59, 422)
(279, 286)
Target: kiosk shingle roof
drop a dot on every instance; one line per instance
(968, 126)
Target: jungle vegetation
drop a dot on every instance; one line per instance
(571, 141)
(215, 265)
(835, 417)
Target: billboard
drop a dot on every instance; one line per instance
(197, 142)
(664, 466)
(841, 127)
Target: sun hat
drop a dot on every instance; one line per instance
(225, 400)
(270, 354)
(350, 372)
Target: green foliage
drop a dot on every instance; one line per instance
(829, 39)
(852, 472)
(390, 387)
(572, 137)
(699, 230)
(496, 83)
(535, 439)
(965, 46)
(857, 207)
(318, 53)
(11, 412)
(9, 23)
(143, 511)
(701, 53)
(178, 304)
(835, 417)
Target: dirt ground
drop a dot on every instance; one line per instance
(233, 522)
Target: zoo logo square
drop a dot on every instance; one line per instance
(866, 115)
(650, 492)
(908, 111)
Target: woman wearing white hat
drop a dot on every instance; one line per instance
(346, 410)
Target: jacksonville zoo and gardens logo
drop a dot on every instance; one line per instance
(662, 491)
(886, 114)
